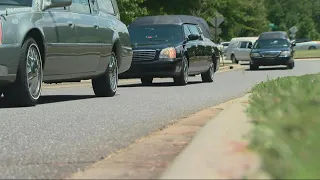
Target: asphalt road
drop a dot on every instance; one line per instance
(71, 129)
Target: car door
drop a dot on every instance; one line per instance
(89, 43)
(241, 53)
(190, 47)
(197, 64)
(246, 55)
(61, 40)
(106, 19)
(206, 51)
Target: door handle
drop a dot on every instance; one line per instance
(70, 23)
(96, 26)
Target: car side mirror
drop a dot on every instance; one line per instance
(193, 37)
(47, 4)
(250, 46)
(293, 44)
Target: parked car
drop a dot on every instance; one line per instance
(238, 49)
(56, 41)
(306, 44)
(171, 46)
(225, 47)
(272, 49)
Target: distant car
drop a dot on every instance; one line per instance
(272, 49)
(171, 46)
(306, 44)
(56, 41)
(239, 49)
(225, 47)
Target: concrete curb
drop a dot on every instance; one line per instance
(206, 157)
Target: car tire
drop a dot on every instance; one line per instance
(26, 90)
(234, 59)
(290, 65)
(254, 67)
(208, 76)
(312, 48)
(106, 85)
(183, 77)
(146, 80)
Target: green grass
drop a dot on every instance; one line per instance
(307, 53)
(286, 133)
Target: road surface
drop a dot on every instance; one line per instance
(71, 129)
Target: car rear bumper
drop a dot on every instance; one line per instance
(271, 61)
(156, 69)
(9, 62)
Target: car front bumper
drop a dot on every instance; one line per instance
(9, 62)
(155, 68)
(262, 61)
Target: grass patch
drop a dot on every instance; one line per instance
(286, 133)
(307, 53)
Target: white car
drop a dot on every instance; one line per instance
(239, 49)
(306, 44)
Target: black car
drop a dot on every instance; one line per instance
(272, 49)
(173, 46)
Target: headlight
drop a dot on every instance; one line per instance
(255, 55)
(168, 53)
(285, 53)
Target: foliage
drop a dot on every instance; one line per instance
(287, 126)
(242, 17)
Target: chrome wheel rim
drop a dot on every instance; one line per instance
(186, 71)
(113, 73)
(34, 71)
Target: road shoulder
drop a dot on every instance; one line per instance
(219, 149)
(149, 157)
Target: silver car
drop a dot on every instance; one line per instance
(306, 44)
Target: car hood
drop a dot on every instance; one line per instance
(270, 49)
(7, 9)
(152, 46)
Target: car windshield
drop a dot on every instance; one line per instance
(17, 2)
(271, 43)
(156, 34)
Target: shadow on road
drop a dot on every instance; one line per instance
(268, 69)
(158, 84)
(47, 99)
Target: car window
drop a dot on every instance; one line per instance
(80, 6)
(194, 29)
(186, 31)
(243, 44)
(17, 2)
(156, 34)
(271, 43)
(106, 6)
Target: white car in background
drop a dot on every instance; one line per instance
(225, 47)
(239, 49)
(306, 44)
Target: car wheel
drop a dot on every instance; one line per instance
(26, 90)
(234, 59)
(312, 48)
(254, 67)
(290, 65)
(208, 76)
(106, 85)
(146, 80)
(183, 77)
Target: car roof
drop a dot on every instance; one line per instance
(243, 39)
(274, 35)
(173, 20)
